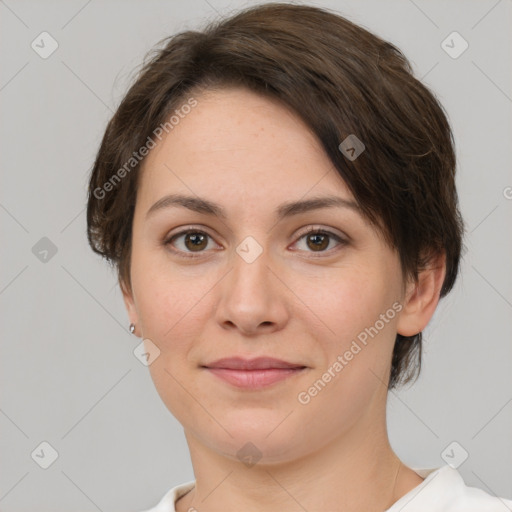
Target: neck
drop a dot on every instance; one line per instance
(355, 472)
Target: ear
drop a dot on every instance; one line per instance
(129, 303)
(422, 297)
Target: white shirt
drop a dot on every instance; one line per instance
(443, 490)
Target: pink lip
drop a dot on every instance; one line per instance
(253, 373)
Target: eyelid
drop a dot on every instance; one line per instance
(184, 231)
(342, 240)
(317, 228)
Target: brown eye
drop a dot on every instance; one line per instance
(192, 241)
(317, 240)
(197, 241)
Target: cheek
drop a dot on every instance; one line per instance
(162, 298)
(172, 313)
(169, 310)
(358, 311)
(355, 366)
(347, 301)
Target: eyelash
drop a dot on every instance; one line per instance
(310, 231)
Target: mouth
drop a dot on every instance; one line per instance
(253, 373)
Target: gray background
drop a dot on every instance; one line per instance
(68, 373)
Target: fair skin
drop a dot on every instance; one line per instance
(293, 302)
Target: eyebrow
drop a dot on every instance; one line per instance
(288, 209)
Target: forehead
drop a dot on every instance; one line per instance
(240, 146)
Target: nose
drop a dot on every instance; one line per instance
(252, 297)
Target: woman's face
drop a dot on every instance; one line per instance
(253, 283)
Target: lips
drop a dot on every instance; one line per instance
(253, 373)
(259, 363)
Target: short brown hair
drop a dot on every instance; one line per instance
(341, 80)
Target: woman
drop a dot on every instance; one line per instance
(278, 196)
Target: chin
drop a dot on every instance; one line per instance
(266, 439)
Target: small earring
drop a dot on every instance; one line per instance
(132, 328)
